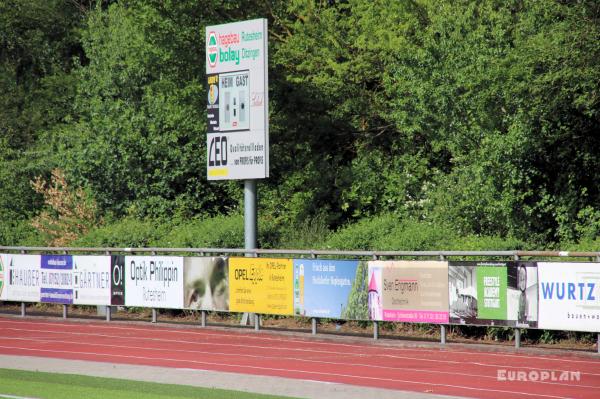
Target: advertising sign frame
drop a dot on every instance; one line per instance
(237, 142)
(408, 291)
(569, 296)
(154, 281)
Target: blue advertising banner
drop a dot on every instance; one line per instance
(322, 288)
(56, 279)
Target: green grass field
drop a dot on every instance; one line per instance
(16, 383)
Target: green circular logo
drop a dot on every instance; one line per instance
(212, 49)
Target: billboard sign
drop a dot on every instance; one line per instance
(24, 280)
(569, 296)
(117, 280)
(2, 277)
(206, 283)
(91, 280)
(56, 274)
(237, 100)
(408, 291)
(493, 293)
(324, 288)
(154, 281)
(261, 285)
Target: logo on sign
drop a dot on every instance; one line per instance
(213, 94)
(212, 49)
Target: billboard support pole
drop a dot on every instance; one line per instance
(314, 326)
(256, 322)
(23, 312)
(250, 229)
(153, 315)
(375, 330)
(108, 313)
(203, 318)
(64, 311)
(517, 338)
(250, 215)
(598, 344)
(443, 334)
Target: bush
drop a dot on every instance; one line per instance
(19, 233)
(215, 232)
(128, 232)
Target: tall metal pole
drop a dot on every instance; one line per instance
(250, 215)
(250, 229)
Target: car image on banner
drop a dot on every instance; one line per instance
(569, 296)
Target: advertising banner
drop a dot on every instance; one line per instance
(408, 291)
(3, 273)
(56, 279)
(154, 281)
(324, 288)
(261, 285)
(206, 283)
(24, 280)
(238, 96)
(493, 293)
(117, 282)
(91, 280)
(569, 296)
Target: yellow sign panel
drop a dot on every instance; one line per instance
(218, 172)
(261, 285)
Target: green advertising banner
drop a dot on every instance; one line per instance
(491, 291)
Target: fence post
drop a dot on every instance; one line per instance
(23, 312)
(517, 338)
(314, 326)
(64, 311)
(107, 309)
(203, 318)
(154, 316)
(443, 334)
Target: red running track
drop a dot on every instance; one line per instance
(450, 371)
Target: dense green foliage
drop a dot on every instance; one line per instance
(418, 124)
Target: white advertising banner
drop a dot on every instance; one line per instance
(3, 275)
(154, 281)
(569, 296)
(91, 280)
(23, 279)
(237, 100)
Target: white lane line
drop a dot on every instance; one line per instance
(296, 359)
(310, 342)
(352, 376)
(294, 349)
